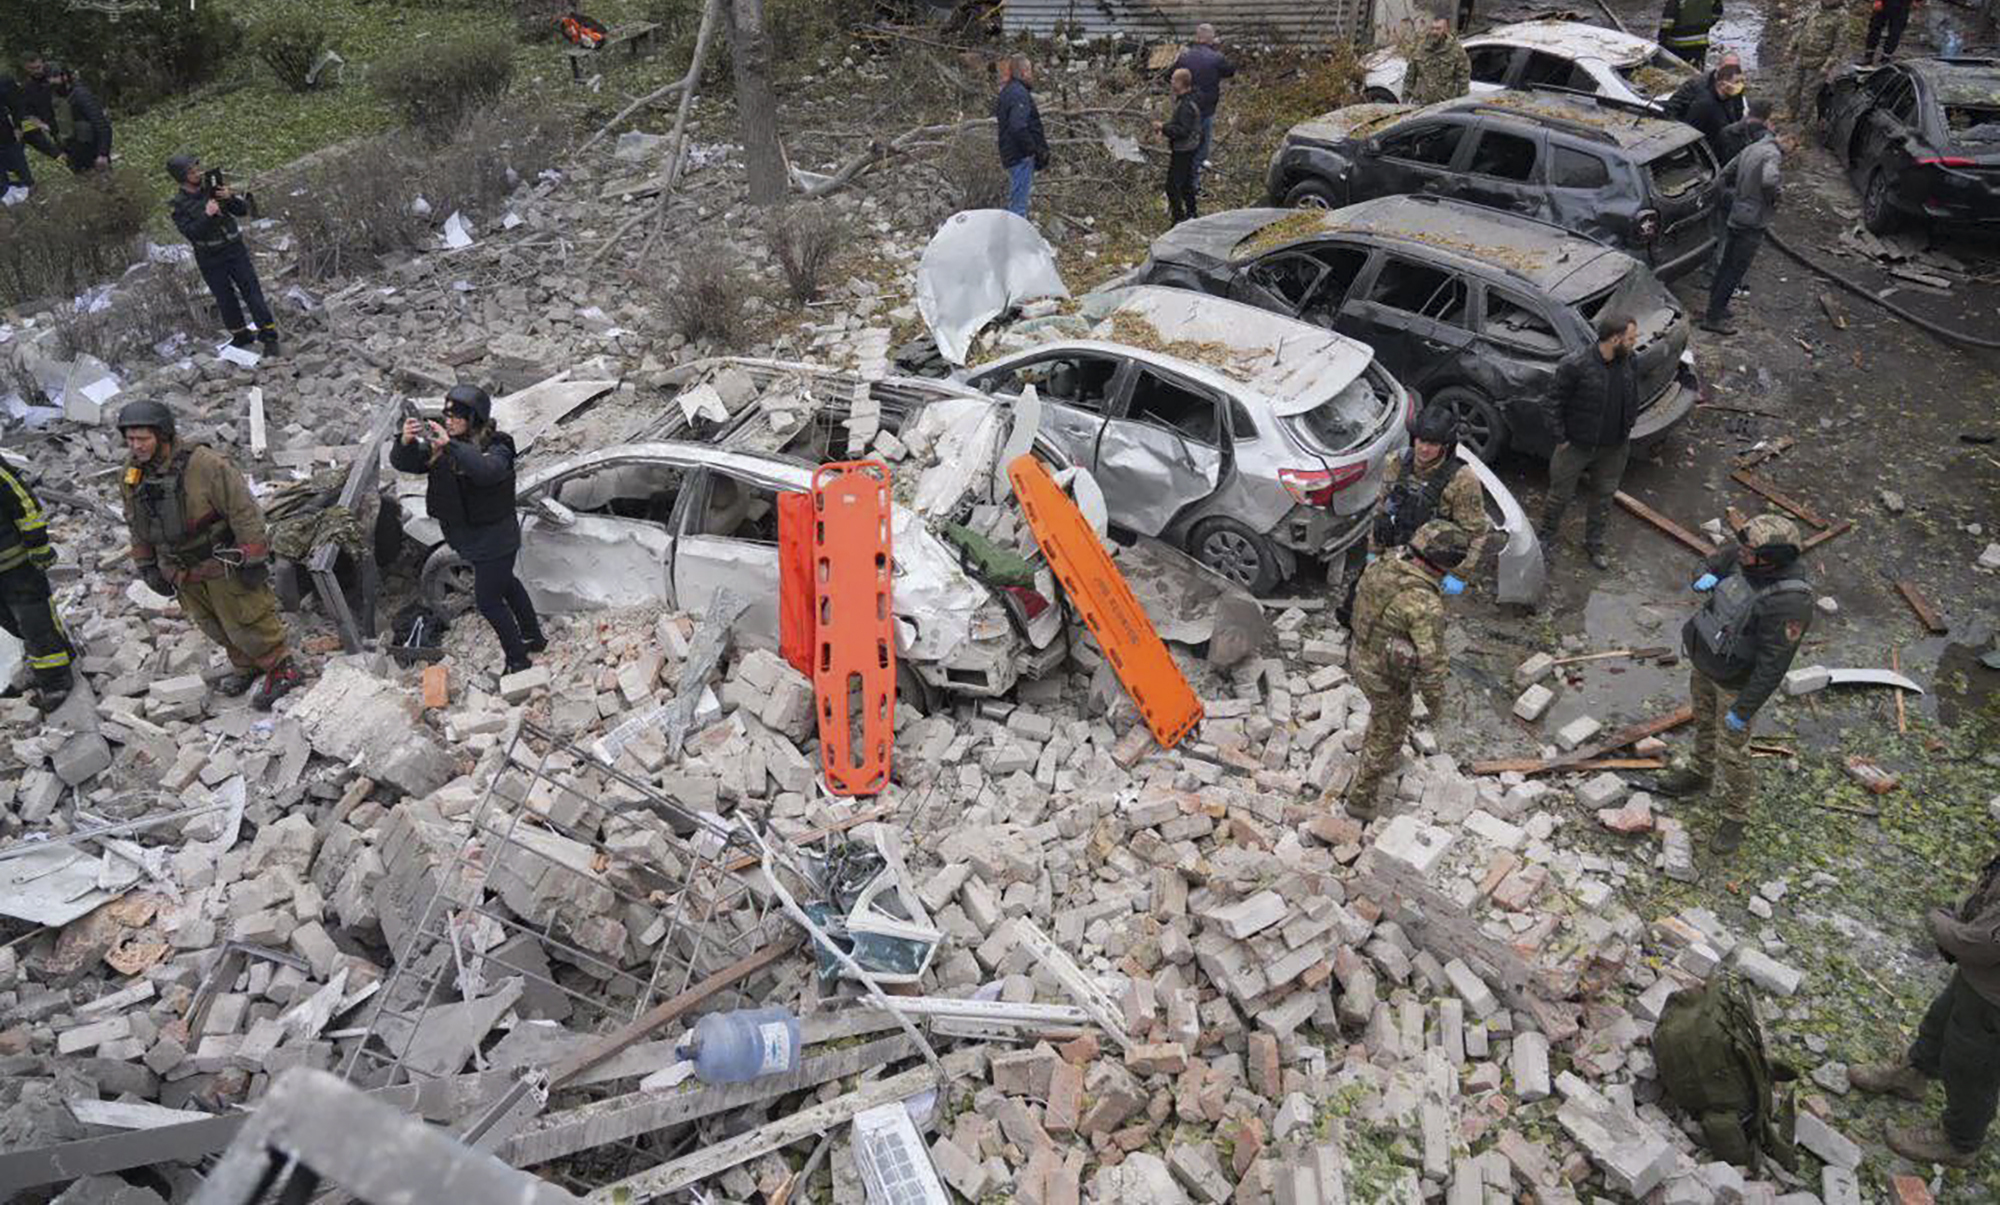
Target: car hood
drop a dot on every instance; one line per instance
(1213, 240)
(1343, 125)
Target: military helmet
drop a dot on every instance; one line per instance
(1441, 543)
(147, 413)
(177, 167)
(1772, 537)
(1436, 423)
(471, 401)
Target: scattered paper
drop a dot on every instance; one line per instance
(101, 390)
(457, 236)
(14, 195)
(178, 253)
(420, 207)
(510, 221)
(671, 1076)
(702, 402)
(238, 355)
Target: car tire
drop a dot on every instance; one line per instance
(912, 691)
(1237, 553)
(1379, 96)
(1312, 193)
(446, 583)
(1878, 213)
(1481, 427)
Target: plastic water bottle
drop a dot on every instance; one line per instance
(750, 1043)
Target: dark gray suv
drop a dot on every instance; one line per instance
(1599, 167)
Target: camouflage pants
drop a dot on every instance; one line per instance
(1802, 90)
(244, 621)
(1715, 742)
(1382, 744)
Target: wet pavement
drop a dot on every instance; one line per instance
(1880, 405)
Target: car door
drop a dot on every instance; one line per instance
(726, 537)
(1503, 169)
(1547, 69)
(1517, 330)
(1852, 103)
(1888, 135)
(1162, 452)
(607, 542)
(1076, 389)
(1308, 283)
(1413, 158)
(1415, 315)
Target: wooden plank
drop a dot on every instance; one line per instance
(1902, 716)
(1926, 614)
(1755, 457)
(1665, 525)
(1608, 654)
(1734, 517)
(721, 1156)
(1820, 537)
(1759, 485)
(1630, 734)
(1521, 765)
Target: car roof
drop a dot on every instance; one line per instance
(1960, 81)
(1570, 113)
(1572, 38)
(1539, 253)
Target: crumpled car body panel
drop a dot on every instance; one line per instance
(1522, 574)
(980, 264)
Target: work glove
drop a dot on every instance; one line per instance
(1705, 583)
(1736, 722)
(156, 580)
(42, 557)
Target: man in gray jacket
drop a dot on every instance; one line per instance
(1754, 181)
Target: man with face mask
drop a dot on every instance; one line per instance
(1739, 645)
(1591, 409)
(1711, 103)
(1439, 68)
(1396, 649)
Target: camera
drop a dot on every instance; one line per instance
(412, 411)
(212, 181)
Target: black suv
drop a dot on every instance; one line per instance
(1470, 306)
(1920, 137)
(1592, 165)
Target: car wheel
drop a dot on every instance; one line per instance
(1237, 553)
(912, 691)
(446, 583)
(1480, 427)
(1878, 213)
(1312, 194)
(1378, 96)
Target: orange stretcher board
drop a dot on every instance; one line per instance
(854, 638)
(1137, 655)
(795, 579)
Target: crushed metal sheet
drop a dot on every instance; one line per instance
(980, 264)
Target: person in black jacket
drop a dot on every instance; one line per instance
(1183, 134)
(82, 131)
(27, 609)
(38, 107)
(1208, 66)
(1740, 644)
(1712, 102)
(208, 218)
(471, 495)
(13, 127)
(1592, 406)
(1024, 149)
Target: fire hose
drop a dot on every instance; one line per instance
(1861, 290)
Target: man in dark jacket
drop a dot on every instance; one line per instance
(82, 131)
(470, 492)
(13, 124)
(27, 608)
(1207, 67)
(1959, 1039)
(1024, 149)
(1754, 182)
(1591, 409)
(1684, 26)
(1887, 16)
(1711, 102)
(1183, 134)
(208, 218)
(38, 107)
(1739, 645)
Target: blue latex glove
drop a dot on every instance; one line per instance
(1736, 722)
(1705, 583)
(1369, 559)
(1451, 584)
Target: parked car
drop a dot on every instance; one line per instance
(1466, 305)
(1563, 54)
(1920, 138)
(1598, 167)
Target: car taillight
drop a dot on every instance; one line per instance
(1415, 403)
(1945, 161)
(1316, 487)
(1648, 224)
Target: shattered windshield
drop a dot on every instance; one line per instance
(1660, 73)
(1682, 170)
(1973, 123)
(1639, 294)
(1346, 418)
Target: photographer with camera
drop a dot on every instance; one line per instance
(205, 210)
(470, 464)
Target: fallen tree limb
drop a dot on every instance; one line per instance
(685, 85)
(711, 14)
(1608, 654)
(878, 152)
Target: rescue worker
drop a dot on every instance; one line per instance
(1684, 26)
(209, 222)
(1439, 69)
(1819, 44)
(198, 536)
(1397, 649)
(82, 131)
(27, 608)
(1183, 134)
(1739, 645)
(1711, 102)
(1428, 481)
(1959, 1039)
(1592, 407)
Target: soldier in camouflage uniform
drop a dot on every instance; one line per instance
(1397, 648)
(1439, 68)
(1819, 44)
(1739, 645)
(1429, 481)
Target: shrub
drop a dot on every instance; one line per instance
(290, 42)
(973, 176)
(131, 59)
(704, 301)
(51, 249)
(147, 305)
(435, 85)
(804, 240)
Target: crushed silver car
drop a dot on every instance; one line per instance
(1549, 53)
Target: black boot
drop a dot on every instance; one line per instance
(244, 338)
(51, 690)
(236, 681)
(516, 664)
(268, 336)
(276, 684)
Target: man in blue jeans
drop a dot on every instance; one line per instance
(1205, 62)
(1024, 149)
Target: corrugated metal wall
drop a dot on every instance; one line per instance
(1275, 22)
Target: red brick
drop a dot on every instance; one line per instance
(1168, 1058)
(1335, 830)
(1266, 1077)
(437, 686)
(1065, 1099)
(1910, 1190)
(1502, 865)
(1519, 889)
(1635, 817)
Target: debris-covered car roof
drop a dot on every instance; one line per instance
(1581, 114)
(1575, 40)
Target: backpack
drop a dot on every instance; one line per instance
(1709, 1050)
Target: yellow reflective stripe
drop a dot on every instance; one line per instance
(52, 661)
(13, 557)
(32, 517)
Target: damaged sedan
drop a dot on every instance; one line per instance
(1920, 138)
(1549, 53)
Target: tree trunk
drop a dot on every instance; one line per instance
(756, 108)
